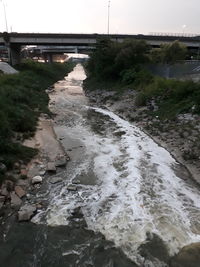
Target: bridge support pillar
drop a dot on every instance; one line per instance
(76, 50)
(15, 56)
(48, 58)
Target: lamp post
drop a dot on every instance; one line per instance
(4, 8)
(109, 16)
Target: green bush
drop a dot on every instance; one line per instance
(172, 96)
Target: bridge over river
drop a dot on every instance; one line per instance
(14, 41)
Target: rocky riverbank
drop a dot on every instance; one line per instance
(18, 190)
(179, 136)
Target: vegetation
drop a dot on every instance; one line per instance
(22, 99)
(172, 97)
(125, 62)
(117, 61)
(169, 53)
(123, 65)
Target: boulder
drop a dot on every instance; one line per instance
(188, 256)
(55, 180)
(61, 161)
(37, 179)
(72, 187)
(26, 212)
(19, 191)
(51, 167)
(15, 201)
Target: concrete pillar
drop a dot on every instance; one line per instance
(76, 50)
(48, 58)
(15, 56)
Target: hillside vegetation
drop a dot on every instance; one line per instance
(22, 100)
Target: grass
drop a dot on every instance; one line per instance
(22, 100)
(172, 97)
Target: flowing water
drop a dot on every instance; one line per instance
(127, 191)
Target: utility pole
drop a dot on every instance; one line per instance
(4, 8)
(109, 16)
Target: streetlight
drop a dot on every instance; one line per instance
(109, 16)
(184, 26)
(4, 8)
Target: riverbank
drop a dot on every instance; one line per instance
(25, 113)
(180, 136)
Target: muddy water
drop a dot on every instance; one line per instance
(131, 202)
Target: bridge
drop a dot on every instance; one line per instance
(14, 41)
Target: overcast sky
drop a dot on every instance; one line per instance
(90, 16)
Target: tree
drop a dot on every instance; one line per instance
(132, 54)
(111, 58)
(169, 53)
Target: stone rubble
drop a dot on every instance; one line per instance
(55, 180)
(51, 167)
(26, 212)
(19, 191)
(37, 180)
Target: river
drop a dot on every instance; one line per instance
(126, 191)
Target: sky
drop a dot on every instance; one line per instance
(91, 16)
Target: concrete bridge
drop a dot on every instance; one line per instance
(14, 41)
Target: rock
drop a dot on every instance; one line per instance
(39, 206)
(26, 212)
(22, 182)
(55, 180)
(76, 181)
(4, 191)
(28, 196)
(15, 200)
(37, 179)
(19, 191)
(2, 168)
(154, 249)
(42, 173)
(61, 161)
(72, 187)
(51, 167)
(16, 165)
(37, 144)
(188, 256)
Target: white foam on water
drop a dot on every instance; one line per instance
(150, 197)
(136, 189)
